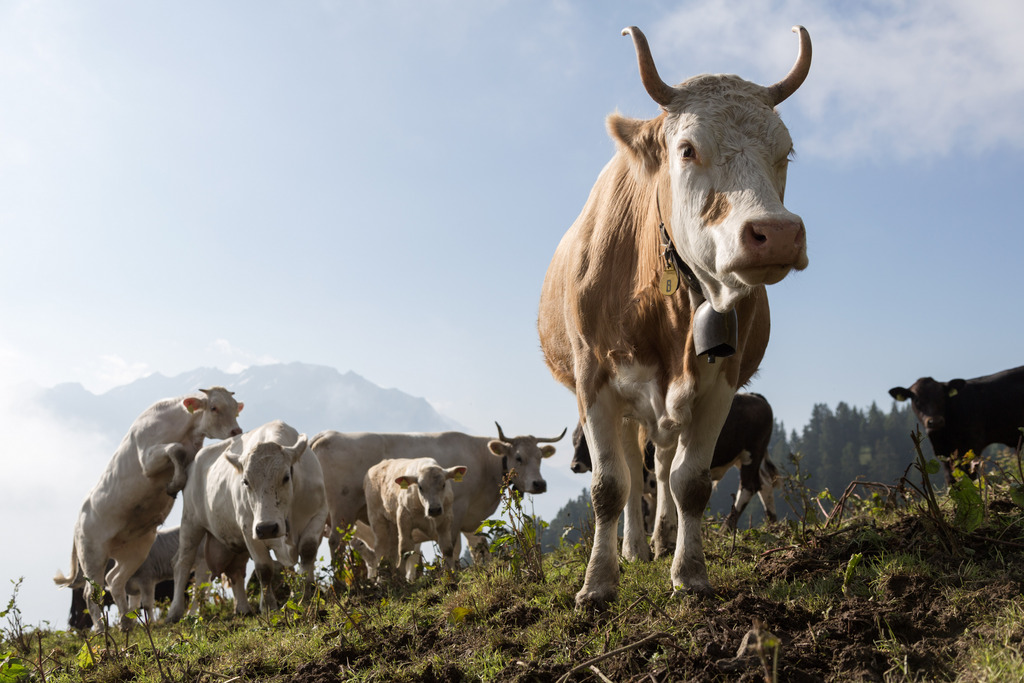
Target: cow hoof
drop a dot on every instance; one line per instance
(704, 591)
(126, 624)
(594, 601)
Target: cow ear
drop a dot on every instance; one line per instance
(240, 406)
(547, 451)
(405, 481)
(900, 394)
(192, 404)
(954, 386)
(456, 473)
(642, 139)
(499, 448)
(235, 461)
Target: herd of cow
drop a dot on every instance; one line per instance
(271, 494)
(653, 312)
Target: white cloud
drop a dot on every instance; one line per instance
(910, 79)
(235, 359)
(49, 467)
(111, 371)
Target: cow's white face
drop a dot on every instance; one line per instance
(523, 456)
(218, 413)
(723, 152)
(430, 484)
(266, 485)
(727, 154)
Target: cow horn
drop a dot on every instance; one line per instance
(660, 91)
(557, 438)
(501, 435)
(205, 391)
(788, 85)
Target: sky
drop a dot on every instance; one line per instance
(380, 186)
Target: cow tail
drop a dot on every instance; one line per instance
(72, 581)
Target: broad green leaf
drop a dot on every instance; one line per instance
(1017, 495)
(86, 658)
(12, 670)
(970, 511)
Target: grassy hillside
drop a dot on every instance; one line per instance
(895, 584)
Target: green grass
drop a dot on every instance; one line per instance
(913, 609)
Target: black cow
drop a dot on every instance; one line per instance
(742, 443)
(968, 415)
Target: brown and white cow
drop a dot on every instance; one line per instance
(135, 493)
(711, 168)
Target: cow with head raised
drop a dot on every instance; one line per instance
(692, 200)
(135, 493)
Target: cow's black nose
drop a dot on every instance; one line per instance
(435, 511)
(236, 432)
(540, 486)
(267, 530)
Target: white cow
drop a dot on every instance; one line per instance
(346, 458)
(120, 516)
(258, 492)
(407, 495)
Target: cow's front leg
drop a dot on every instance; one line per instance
(447, 538)
(609, 488)
(690, 481)
(157, 459)
(307, 544)
(266, 571)
(634, 540)
(664, 536)
(406, 548)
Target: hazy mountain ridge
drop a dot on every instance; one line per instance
(311, 398)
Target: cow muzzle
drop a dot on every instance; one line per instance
(578, 467)
(268, 530)
(770, 248)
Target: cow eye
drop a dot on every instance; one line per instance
(245, 483)
(287, 478)
(687, 151)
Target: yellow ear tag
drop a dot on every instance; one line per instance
(403, 482)
(458, 475)
(669, 281)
